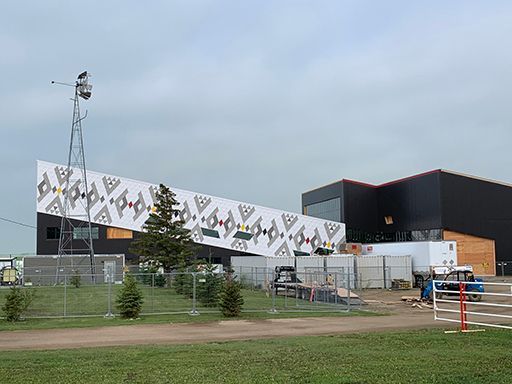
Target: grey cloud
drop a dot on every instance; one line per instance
(256, 101)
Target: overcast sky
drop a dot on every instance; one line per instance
(256, 101)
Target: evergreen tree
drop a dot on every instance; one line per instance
(164, 238)
(209, 286)
(129, 300)
(17, 302)
(75, 279)
(183, 283)
(231, 299)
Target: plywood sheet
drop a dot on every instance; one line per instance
(119, 233)
(476, 251)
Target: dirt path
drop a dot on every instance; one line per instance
(400, 316)
(208, 332)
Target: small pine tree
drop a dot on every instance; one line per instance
(129, 300)
(17, 302)
(179, 280)
(75, 279)
(209, 286)
(231, 299)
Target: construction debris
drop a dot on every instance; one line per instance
(416, 302)
(410, 298)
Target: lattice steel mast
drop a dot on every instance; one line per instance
(75, 229)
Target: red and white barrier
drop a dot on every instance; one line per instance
(494, 309)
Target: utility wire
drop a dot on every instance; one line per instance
(17, 223)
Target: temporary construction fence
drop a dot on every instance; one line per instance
(50, 269)
(461, 302)
(173, 293)
(313, 290)
(377, 276)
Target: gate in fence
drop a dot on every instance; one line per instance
(483, 304)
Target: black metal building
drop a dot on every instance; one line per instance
(436, 205)
(48, 242)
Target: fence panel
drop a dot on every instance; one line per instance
(473, 303)
(263, 290)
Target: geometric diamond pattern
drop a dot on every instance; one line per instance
(126, 203)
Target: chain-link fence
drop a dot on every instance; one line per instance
(360, 278)
(79, 295)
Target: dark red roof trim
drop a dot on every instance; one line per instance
(391, 182)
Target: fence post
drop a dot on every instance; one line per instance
(65, 294)
(109, 313)
(463, 325)
(336, 288)
(297, 288)
(348, 290)
(194, 311)
(152, 292)
(287, 276)
(273, 289)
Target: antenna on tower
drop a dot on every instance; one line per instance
(75, 229)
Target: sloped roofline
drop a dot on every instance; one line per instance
(414, 177)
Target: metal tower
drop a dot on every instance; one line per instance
(75, 229)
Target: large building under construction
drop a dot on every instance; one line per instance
(436, 205)
(119, 207)
(432, 206)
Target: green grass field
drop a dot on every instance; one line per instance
(93, 301)
(406, 357)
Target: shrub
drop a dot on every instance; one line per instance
(231, 299)
(160, 280)
(129, 300)
(17, 302)
(75, 280)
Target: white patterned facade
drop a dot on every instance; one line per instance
(124, 203)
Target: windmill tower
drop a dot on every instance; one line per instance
(75, 229)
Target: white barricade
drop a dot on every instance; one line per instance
(461, 302)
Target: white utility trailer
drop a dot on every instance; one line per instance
(424, 255)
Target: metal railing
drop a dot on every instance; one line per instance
(485, 304)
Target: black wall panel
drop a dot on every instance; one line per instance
(431, 201)
(478, 208)
(117, 246)
(360, 206)
(413, 203)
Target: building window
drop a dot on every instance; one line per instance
(358, 236)
(243, 235)
(210, 232)
(81, 233)
(328, 209)
(52, 233)
(119, 233)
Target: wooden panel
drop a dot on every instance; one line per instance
(476, 251)
(119, 233)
